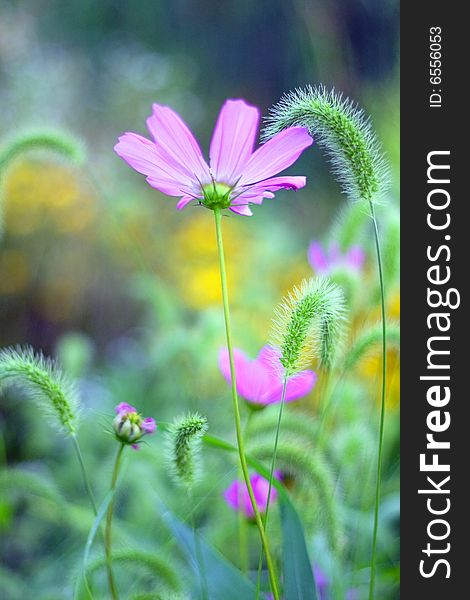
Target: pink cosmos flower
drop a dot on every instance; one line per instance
(326, 261)
(237, 497)
(259, 381)
(236, 176)
(129, 426)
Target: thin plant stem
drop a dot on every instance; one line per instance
(109, 521)
(242, 524)
(236, 408)
(382, 404)
(326, 403)
(198, 550)
(86, 481)
(276, 442)
(271, 476)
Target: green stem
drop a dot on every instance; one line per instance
(198, 549)
(236, 408)
(109, 521)
(242, 523)
(276, 442)
(326, 403)
(86, 481)
(382, 404)
(271, 477)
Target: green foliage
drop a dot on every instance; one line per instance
(343, 130)
(309, 319)
(368, 339)
(309, 470)
(298, 425)
(391, 248)
(30, 484)
(42, 381)
(299, 583)
(222, 579)
(160, 568)
(183, 447)
(58, 142)
(346, 230)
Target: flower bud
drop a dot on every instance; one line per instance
(129, 426)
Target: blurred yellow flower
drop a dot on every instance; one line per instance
(193, 253)
(40, 195)
(370, 369)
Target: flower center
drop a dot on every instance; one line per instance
(216, 195)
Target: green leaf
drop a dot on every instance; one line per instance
(82, 580)
(222, 579)
(299, 583)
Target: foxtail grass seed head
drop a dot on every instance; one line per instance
(343, 130)
(59, 142)
(183, 447)
(129, 426)
(41, 380)
(309, 321)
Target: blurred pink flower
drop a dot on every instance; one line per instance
(237, 176)
(237, 497)
(326, 261)
(148, 425)
(259, 381)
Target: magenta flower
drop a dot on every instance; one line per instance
(148, 425)
(123, 407)
(237, 497)
(260, 381)
(129, 426)
(326, 261)
(237, 176)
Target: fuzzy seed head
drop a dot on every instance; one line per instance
(309, 321)
(183, 447)
(343, 130)
(42, 381)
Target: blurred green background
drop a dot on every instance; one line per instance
(100, 270)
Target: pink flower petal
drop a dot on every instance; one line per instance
(241, 209)
(142, 155)
(257, 193)
(237, 497)
(300, 385)
(231, 495)
(317, 258)
(293, 182)
(269, 356)
(260, 490)
(251, 197)
(273, 184)
(148, 425)
(252, 381)
(233, 140)
(172, 135)
(275, 155)
(355, 258)
(123, 407)
(183, 202)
